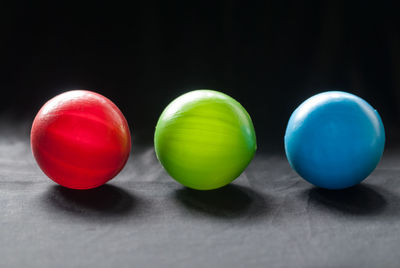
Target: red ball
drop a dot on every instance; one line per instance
(80, 139)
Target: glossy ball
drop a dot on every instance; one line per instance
(80, 139)
(334, 140)
(205, 139)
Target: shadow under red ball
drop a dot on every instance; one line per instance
(80, 139)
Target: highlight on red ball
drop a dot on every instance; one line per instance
(80, 139)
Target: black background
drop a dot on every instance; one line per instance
(269, 55)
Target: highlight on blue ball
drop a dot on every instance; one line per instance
(334, 140)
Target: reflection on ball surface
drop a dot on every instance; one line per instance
(334, 140)
(204, 139)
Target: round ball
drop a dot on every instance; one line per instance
(80, 139)
(205, 139)
(334, 140)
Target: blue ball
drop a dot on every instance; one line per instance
(334, 140)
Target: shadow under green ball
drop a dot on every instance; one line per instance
(204, 139)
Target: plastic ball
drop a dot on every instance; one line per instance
(204, 139)
(334, 140)
(80, 139)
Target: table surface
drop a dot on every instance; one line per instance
(268, 217)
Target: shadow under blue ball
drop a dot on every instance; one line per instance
(334, 140)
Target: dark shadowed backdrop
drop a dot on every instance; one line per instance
(269, 55)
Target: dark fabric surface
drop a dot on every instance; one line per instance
(268, 217)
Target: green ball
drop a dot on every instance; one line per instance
(205, 139)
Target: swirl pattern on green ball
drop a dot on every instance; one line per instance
(205, 139)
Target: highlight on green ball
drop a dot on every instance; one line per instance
(205, 139)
